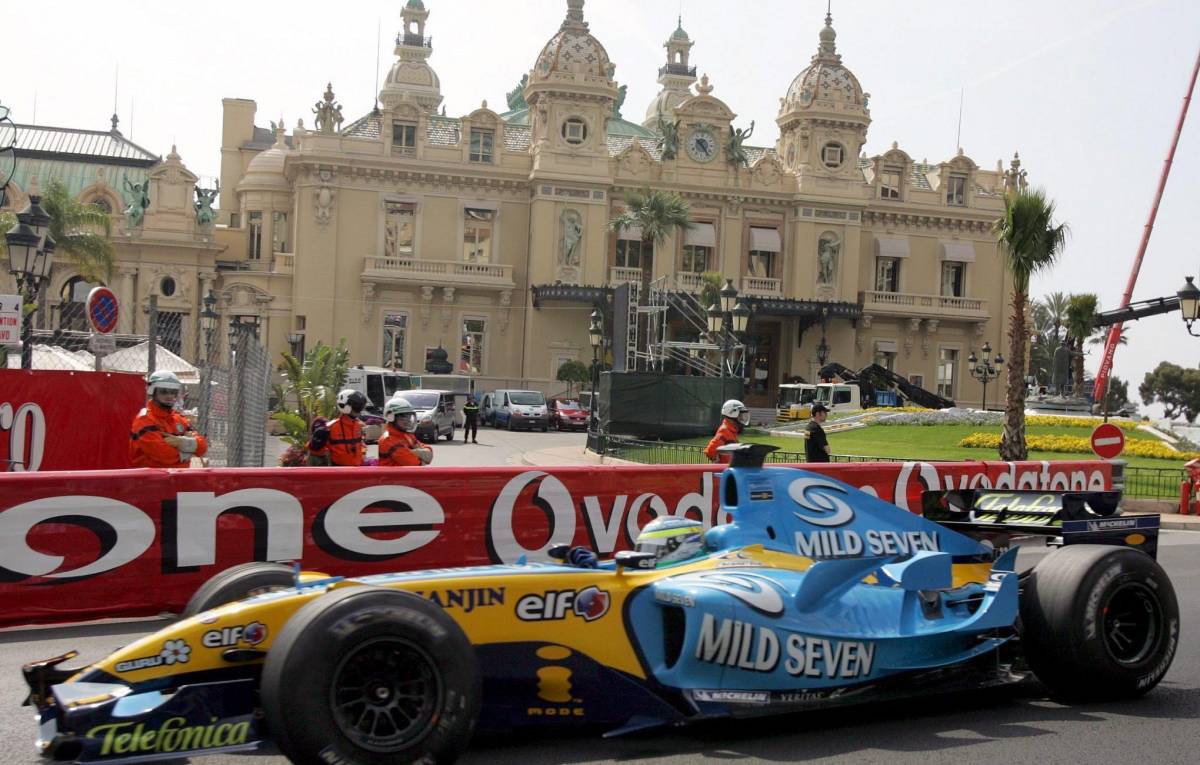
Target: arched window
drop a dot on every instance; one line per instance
(102, 203)
(72, 311)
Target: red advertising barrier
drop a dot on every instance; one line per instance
(58, 420)
(87, 545)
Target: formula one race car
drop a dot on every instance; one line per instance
(814, 594)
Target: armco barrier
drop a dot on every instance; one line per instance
(86, 545)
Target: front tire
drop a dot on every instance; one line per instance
(1099, 622)
(374, 676)
(239, 582)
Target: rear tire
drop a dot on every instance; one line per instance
(239, 582)
(1099, 622)
(373, 676)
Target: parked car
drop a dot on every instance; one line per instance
(435, 413)
(514, 409)
(815, 596)
(567, 414)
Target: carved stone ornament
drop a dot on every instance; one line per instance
(505, 305)
(323, 202)
(368, 298)
(426, 305)
(570, 246)
(866, 320)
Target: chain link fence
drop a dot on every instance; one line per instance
(226, 397)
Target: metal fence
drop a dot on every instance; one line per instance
(247, 393)
(1139, 482)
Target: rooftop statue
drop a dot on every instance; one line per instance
(516, 96)
(329, 112)
(205, 198)
(135, 212)
(734, 153)
(668, 136)
(619, 102)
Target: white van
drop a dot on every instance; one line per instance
(514, 409)
(378, 384)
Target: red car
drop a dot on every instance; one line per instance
(567, 414)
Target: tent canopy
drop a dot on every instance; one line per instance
(135, 359)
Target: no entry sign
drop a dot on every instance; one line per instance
(102, 309)
(1107, 440)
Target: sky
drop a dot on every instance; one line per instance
(1088, 92)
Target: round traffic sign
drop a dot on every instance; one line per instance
(1107, 440)
(102, 309)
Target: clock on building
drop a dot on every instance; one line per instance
(702, 144)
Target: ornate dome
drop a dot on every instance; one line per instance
(266, 171)
(679, 34)
(411, 78)
(825, 82)
(574, 51)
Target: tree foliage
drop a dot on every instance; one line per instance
(573, 373)
(658, 214)
(1081, 311)
(310, 388)
(1030, 241)
(80, 232)
(1175, 387)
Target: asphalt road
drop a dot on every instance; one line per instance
(1015, 725)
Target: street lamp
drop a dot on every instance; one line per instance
(727, 322)
(822, 351)
(30, 257)
(986, 369)
(596, 338)
(296, 343)
(208, 322)
(1189, 304)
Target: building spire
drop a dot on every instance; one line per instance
(575, 15)
(116, 80)
(828, 47)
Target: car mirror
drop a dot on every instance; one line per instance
(634, 559)
(559, 551)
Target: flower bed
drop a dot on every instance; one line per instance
(1080, 445)
(1066, 421)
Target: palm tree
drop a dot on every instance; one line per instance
(80, 232)
(1030, 241)
(657, 213)
(312, 387)
(1080, 311)
(1055, 305)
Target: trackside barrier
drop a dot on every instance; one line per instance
(93, 544)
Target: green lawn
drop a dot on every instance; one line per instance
(933, 442)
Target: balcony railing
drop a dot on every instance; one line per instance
(285, 263)
(931, 305)
(762, 286)
(621, 275)
(437, 272)
(689, 281)
(686, 71)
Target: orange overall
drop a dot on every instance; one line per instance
(346, 447)
(726, 434)
(396, 448)
(147, 444)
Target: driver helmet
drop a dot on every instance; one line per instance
(350, 400)
(164, 381)
(736, 410)
(672, 539)
(400, 412)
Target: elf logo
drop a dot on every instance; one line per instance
(251, 634)
(590, 604)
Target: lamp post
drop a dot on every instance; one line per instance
(1189, 304)
(208, 322)
(596, 339)
(30, 256)
(986, 369)
(727, 322)
(296, 343)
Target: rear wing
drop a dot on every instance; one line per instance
(1072, 517)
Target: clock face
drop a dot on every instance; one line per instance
(702, 145)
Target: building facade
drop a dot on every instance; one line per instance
(487, 234)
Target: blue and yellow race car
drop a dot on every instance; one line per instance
(814, 594)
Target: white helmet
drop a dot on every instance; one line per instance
(163, 380)
(672, 539)
(350, 400)
(736, 410)
(397, 410)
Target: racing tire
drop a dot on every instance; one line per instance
(1098, 623)
(239, 582)
(373, 676)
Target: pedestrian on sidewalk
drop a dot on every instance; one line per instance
(816, 447)
(471, 419)
(734, 417)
